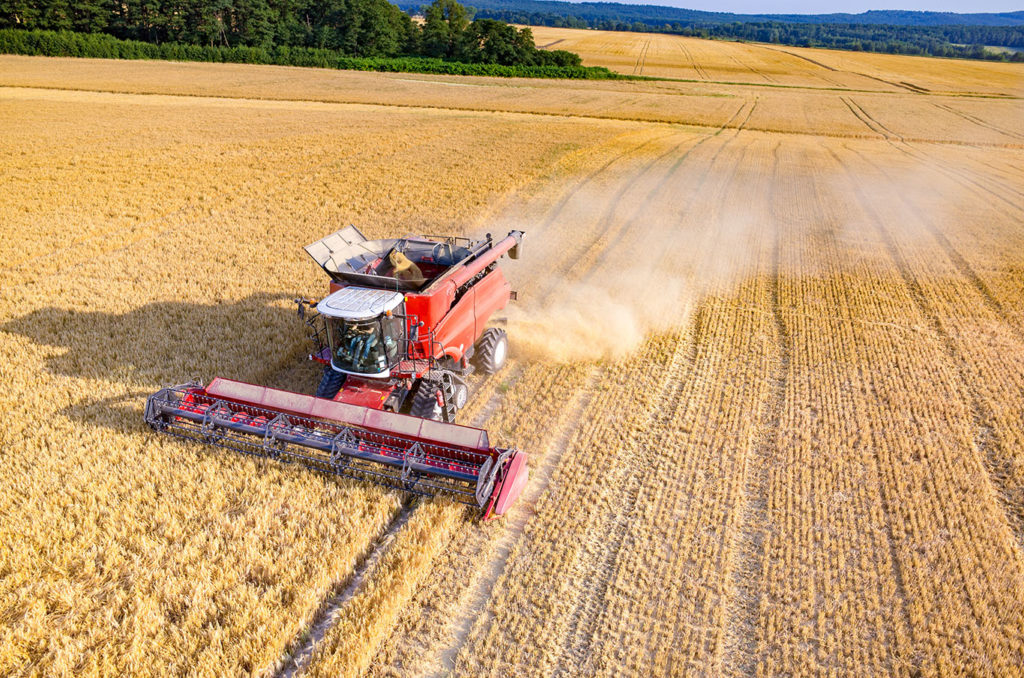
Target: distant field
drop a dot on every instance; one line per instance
(768, 362)
(673, 56)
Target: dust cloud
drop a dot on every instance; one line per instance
(593, 321)
(620, 266)
(612, 264)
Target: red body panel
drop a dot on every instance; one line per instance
(455, 332)
(457, 327)
(372, 393)
(516, 477)
(492, 294)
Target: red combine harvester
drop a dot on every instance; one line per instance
(406, 319)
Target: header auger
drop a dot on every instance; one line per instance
(405, 321)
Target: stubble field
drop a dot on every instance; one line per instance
(768, 364)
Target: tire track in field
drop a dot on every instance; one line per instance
(641, 59)
(564, 432)
(960, 176)
(602, 250)
(868, 121)
(867, 116)
(302, 648)
(557, 210)
(750, 113)
(574, 264)
(816, 63)
(903, 146)
(1002, 186)
(739, 654)
(986, 439)
(577, 644)
(701, 73)
(566, 255)
(907, 86)
(977, 121)
(752, 69)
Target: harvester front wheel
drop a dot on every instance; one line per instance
(492, 350)
(426, 401)
(330, 383)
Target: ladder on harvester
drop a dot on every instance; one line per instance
(448, 392)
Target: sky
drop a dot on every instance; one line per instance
(829, 7)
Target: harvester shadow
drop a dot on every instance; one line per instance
(257, 339)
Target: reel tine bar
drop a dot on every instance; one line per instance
(392, 460)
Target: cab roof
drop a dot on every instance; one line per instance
(359, 303)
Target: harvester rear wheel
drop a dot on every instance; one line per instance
(491, 350)
(330, 383)
(425, 403)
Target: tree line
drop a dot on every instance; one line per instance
(926, 40)
(350, 28)
(102, 46)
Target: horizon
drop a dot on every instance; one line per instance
(820, 7)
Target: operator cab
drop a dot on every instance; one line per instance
(365, 330)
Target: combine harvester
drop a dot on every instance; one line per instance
(405, 321)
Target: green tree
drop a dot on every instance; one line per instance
(19, 13)
(445, 22)
(495, 42)
(57, 15)
(253, 23)
(90, 16)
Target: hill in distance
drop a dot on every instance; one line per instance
(596, 11)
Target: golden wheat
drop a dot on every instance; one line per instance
(768, 366)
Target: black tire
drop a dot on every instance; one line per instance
(424, 401)
(491, 350)
(330, 383)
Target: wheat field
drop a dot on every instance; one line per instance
(768, 363)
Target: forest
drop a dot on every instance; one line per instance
(347, 28)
